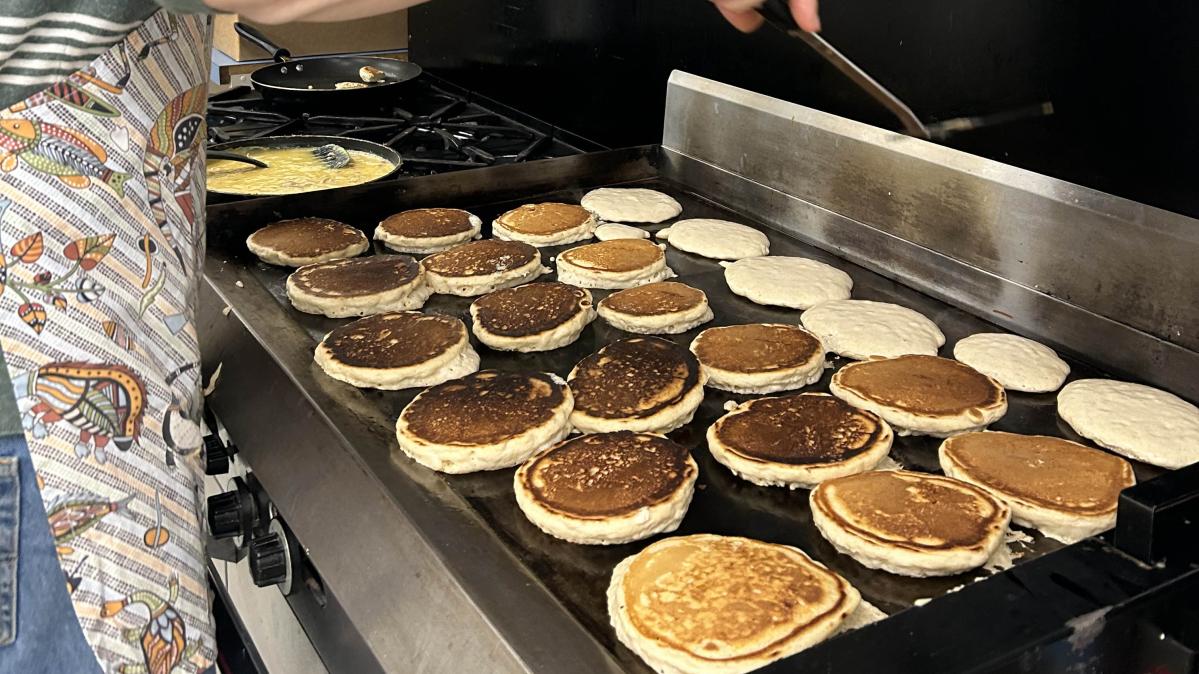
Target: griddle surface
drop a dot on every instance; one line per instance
(723, 504)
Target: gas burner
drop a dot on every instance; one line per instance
(435, 126)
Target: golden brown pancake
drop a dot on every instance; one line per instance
(307, 237)
(357, 276)
(633, 378)
(605, 475)
(428, 223)
(654, 299)
(394, 340)
(756, 347)
(800, 429)
(912, 511)
(924, 385)
(479, 258)
(617, 255)
(725, 600)
(483, 408)
(530, 309)
(1045, 471)
(544, 219)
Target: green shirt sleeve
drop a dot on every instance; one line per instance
(185, 6)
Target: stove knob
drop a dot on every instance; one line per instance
(232, 513)
(268, 559)
(216, 455)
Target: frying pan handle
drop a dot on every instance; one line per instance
(254, 35)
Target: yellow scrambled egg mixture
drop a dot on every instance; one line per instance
(291, 170)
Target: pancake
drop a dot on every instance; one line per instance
(532, 317)
(630, 204)
(862, 329)
(722, 604)
(359, 286)
(303, 241)
(485, 421)
(619, 263)
(1134, 420)
(428, 230)
(480, 267)
(798, 440)
(398, 350)
(547, 224)
(1067, 490)
(792, 282)
(607, 488)
(1016, 362)
(614, 230)
(922, 395)
(716, 239)
(912, 524)
(662, 308)
(759, 357)
(644, 384)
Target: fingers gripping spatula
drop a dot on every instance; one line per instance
(778, 15)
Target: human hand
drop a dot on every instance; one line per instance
(745, 18)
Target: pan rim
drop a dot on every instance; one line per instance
(257, 82)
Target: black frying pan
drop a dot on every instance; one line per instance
(311, 82)
(310, 141)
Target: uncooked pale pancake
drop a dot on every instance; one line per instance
(394, 340)
(1140, 422)
(480, 258)
(910, 523)
(619, 255)
(1067, 490)
(707, 603)
(608, 474)
(793, 282)
(718, 239)
(630, 204)
(358, 286)
(862, 329)
(922, 394)
(530, 309)
(655, 299)
(428, 223)
(1018, 363)
(532, 317)
(798, 440)
(303, 241)
(642, 383)
(398, 350)
(614, 230)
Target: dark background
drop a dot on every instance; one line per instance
(1123, 77)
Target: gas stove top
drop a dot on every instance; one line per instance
(435, 126)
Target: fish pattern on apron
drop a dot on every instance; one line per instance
(101, 237)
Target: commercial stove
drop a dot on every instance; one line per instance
(388, 566)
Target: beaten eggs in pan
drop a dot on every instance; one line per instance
(291, 170)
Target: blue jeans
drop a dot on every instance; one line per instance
(39, 633)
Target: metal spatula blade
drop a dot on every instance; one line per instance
(333, 156)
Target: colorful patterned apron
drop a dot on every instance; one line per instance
(101, 241)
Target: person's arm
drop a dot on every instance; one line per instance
(745, 18)
(286, 11)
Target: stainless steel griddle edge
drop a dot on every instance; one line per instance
(423, 581)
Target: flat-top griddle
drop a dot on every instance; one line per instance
(367, 515)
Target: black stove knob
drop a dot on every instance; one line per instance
(216, 455)
(232, 513)
(268, 559)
